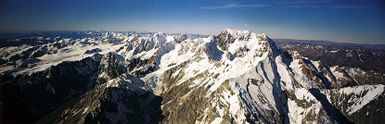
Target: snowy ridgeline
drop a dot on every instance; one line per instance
(234, 77)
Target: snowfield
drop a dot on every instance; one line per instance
(235, 77)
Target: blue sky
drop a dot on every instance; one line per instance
(359, 21)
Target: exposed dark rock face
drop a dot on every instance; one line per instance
(372, 114)
(35, 95)
(96, 50)
(112, 65)
(234, 77)
(349, 56)
(224, 39)
(124, 104)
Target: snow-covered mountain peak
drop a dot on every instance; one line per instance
(242, 42)
(159, 38)
(236, 76)
(236, 32)
(243, 34)
(159, 35)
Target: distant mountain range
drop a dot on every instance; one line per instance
(236, 76)
(331, 44)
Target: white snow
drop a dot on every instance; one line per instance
(217, 121)
(336, 73)
(296, 113)
(73, 54)
(299, 76)
(282, 70)
(360, 99)
(252, 75)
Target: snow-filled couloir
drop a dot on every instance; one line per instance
(234, 77)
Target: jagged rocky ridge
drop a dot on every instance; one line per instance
(234, 77)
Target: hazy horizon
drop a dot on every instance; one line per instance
(357, 21)
(3, 35)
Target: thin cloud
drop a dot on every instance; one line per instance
(314, 2)
(327, 4)
(354, 6)
(305, 6)
(229, 6)
(294, 4)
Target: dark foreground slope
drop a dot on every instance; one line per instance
(233, 77)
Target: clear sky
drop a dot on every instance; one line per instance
(360, 21)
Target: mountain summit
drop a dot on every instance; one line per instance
(234, 77)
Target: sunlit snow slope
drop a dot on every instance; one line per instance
(234, 77)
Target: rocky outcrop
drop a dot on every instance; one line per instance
(234, 77)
